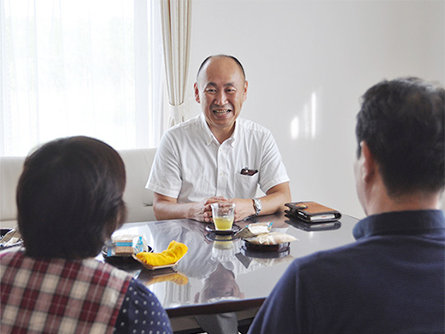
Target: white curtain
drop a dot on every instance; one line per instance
(176, 35)
(79, 67)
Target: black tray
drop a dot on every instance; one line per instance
(266, 248)
(264, 255)
(122, 262)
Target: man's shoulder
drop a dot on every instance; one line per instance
(251, 126)
(192, 122)
(187, 128)
(322, 260)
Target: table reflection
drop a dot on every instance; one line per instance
(218, 276)
(208, 272)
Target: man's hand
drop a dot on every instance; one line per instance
(244, 208)
(202, 211)
(168, 208)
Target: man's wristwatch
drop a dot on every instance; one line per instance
(256, 206)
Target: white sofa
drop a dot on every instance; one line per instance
(139, 200)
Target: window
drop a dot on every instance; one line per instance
(80, 67)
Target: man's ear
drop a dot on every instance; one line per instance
(197, 93)
(246, 84)
(368, 163)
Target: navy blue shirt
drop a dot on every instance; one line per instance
(391, 280)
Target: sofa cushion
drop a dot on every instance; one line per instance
(139, 200)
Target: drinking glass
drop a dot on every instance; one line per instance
(223, 214)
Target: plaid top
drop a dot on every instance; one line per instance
(59, 295)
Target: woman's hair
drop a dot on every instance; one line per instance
(69, 198)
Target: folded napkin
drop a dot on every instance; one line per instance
(175, 251)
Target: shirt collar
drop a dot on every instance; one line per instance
(210, 137)
(402, 223)
(236, 132)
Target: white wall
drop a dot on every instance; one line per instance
(308, 62)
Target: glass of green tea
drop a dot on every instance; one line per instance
(223, 214)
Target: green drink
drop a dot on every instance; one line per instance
(223, 214)
(223, 223)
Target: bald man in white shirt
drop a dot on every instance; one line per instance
(218, 156)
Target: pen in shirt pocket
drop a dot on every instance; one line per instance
(247, 171)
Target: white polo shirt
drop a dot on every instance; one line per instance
(191, 165)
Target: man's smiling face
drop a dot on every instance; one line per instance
(221, 90)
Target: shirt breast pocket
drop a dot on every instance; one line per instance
(246, 185)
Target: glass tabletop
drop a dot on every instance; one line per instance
(219, 268)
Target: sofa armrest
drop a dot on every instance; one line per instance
(139, 200)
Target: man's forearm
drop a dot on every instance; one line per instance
(168, 210)
(272, 202)
(165, 207)
(275, 199)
